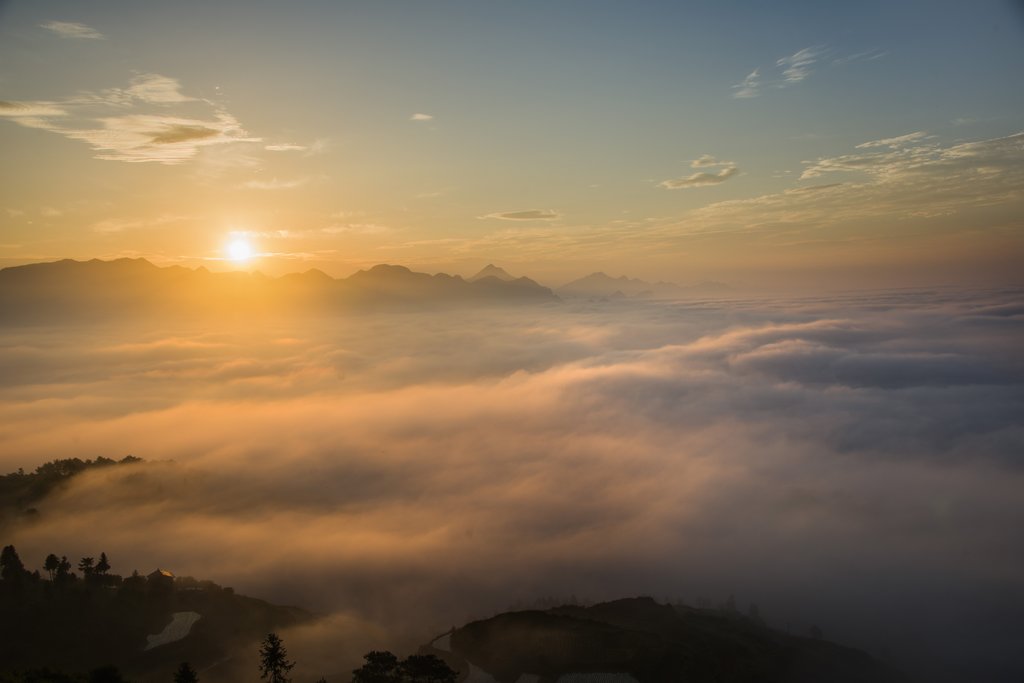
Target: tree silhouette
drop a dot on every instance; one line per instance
(50, 565)
(64, 570)
(427, 669)
(186, 674)
(380, 667)
(384, 667)
(85, 565)
(106, 674)
(274, 664)
(103, 566)
(12, 569)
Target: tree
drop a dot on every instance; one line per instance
(427, 669)
(274, 664)
(384, 667)
(102, 567)
(186, 674)
(12, 569)
(380, 667)
(85, 565)
(64, 572)
(50, 565)
(106, 674)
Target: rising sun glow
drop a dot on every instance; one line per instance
(239, 250)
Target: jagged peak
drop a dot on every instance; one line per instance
(491, 270)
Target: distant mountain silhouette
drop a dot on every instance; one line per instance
(491, 270)
(654, 644)
(605, 286)
(68, 289)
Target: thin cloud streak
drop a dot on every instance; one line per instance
(793, 69)
(797, 66)
(700, 179)
(152, 135)
(749, 86)
(72, 29)
(529, 215)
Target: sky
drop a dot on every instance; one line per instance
(765, 144)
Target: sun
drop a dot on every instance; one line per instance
(239, 249)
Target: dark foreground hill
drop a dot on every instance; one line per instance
(74, 615)
(656, 644)
(77, 623)
(88, 290)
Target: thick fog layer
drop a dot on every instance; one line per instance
(854, 463)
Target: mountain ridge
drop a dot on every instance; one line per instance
(491, 270)
(69, 289)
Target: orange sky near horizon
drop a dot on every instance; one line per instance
(351, 134)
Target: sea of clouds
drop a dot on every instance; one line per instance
(855, 462)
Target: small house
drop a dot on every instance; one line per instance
(160, 578)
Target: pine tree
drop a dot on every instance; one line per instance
(274, 664)
(11, 567)
(103, 566)
(186, 674)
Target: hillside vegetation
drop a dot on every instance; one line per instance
(84, 620)
(656, 644)
(20, 491)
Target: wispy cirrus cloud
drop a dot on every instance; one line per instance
(749, 86)
(792, 69)
(274, 184)
(995, 160)
(357, 229)
(701, 179)
(113, 225)
(72, 29)
(157, 89)
(530, 215)
(285, 147)
(797, 66)
(134, 124)
(161, 139)
(421, 117)
(786, 71)
(898, 141)
(865, 56)
(31, 114)
(895, 179)
(727, 170)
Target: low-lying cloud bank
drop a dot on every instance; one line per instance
(854, 463)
